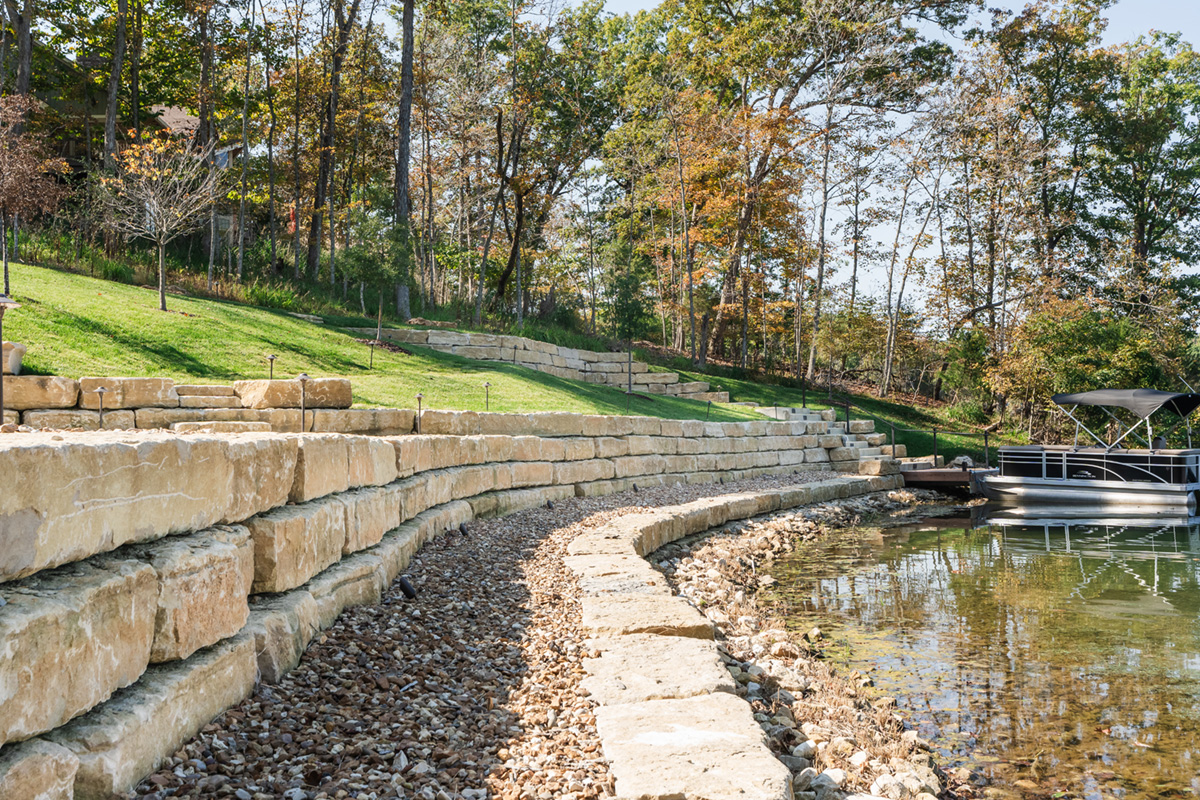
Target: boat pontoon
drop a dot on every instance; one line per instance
(1107, 474)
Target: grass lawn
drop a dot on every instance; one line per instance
(78, 326)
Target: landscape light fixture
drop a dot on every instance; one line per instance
(487, 406)
(6, 303)
(101, 390)
(420, 397)
(373, 343)
(271, 360)
(303, 378)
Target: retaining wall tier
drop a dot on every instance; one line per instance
(147, 579)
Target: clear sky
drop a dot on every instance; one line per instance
(1127, 19)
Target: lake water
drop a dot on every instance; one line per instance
(1064, 653)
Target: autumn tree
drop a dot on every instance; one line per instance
(160, 189)
(29, 181)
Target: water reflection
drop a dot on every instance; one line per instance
(1062, 651)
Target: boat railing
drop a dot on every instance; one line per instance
(1122, 465)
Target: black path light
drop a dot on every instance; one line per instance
(303, 378)
(6, 303)
(420, 397)
(271, 360)
(373, 343)
(101, 390)
(487, 406)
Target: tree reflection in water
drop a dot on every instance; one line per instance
(1064, 652)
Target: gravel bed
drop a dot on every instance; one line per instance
(469, 691)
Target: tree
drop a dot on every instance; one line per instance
(29, 181)
(160, 190)
(1146, 151)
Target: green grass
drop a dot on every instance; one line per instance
(77, 326)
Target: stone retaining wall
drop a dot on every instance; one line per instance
(610, 369)
(148, 579)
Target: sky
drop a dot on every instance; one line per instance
(1127, 19)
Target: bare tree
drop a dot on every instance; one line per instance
(160, 190)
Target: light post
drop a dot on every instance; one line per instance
(303, 378)
(6, 303)
(487, 406)
(420, 397)
(373, 343)
(271, 360)
(101, 390)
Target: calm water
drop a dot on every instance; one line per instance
(1065, 653)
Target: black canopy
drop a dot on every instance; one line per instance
(1142, 402)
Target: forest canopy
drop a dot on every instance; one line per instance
(915, 195)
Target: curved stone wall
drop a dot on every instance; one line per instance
(149, 579)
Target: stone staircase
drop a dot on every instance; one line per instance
(855, 446)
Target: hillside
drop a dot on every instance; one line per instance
(75, 325)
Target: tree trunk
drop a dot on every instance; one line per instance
(114, 87)
(345, 25)
(162, 276)
(22, 19)
(135, 69)
(273, 221)
(4, 251)
(819, 289)
(241, 254)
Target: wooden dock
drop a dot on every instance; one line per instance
(956, 480)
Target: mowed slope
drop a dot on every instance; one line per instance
(74, 326)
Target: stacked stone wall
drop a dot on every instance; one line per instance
(149, 579)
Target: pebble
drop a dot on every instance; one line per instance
(471, 691)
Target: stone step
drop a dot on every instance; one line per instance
(222, 427)
(897, 450)
(207, 401)
(204, 391)
(869, 452)
(914, 466)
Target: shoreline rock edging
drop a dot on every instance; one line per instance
(668, 721)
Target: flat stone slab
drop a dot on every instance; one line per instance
(612, 574)
(699, 748)
(318, 393)
(621, 614)
(644, 666)
(221, 427)
(37, 770)
(26, 392)
(11, 354)
(128, 393)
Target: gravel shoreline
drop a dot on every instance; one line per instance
(832, 732)
(470, 691)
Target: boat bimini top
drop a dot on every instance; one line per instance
(1142, 402)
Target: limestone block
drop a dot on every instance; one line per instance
(296, 542)
(449, 423)
(843, 454)
(487, 449)
(632, 466)
(356, 580)
(413, 493)
(446, 338)
(494, 424)
(204, 390)
(555, 423)
(531, 473)
(862, 426)
(149, 418)
(367, 421)
(370, 461)
(37, 770)
(413, 454)
(707, 747)
(11, 354)
(24, 392)
(219, 427)
(794, 496)
(830, 441)
(204, 580)
(398, 547)
(610, 447)
(407, 336)
(282, 626)
(65, 419)
(645, 426)
(526, 448)
(643, 666)
(11, 418)
(578, 449)
(129, 393)
(69, 639)
(128, 737)
(791, 457)
(879, 466)
(596, 425)
(318, 393)
(895, 450)
(86, 493)
(370, 513)
(322, 466)
(551, 449)
(816, 455)
(570, 472)
(262, 473)
(187, 401)
(816, 428)
(614, 574)
(617, 615)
